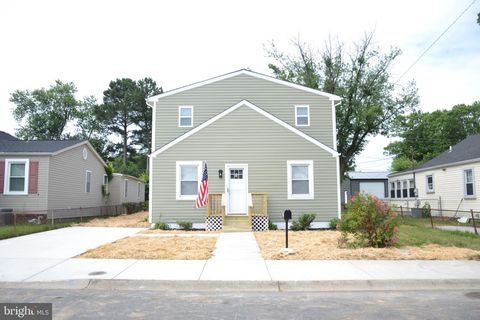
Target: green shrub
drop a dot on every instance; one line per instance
(185, 225)
(271, 225)
(162, 225)
(303, 222)
(144, 205)
(371, 221)
(132, 207)
(334, 223)
(426, 210)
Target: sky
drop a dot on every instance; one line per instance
(179, 42)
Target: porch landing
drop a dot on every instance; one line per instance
(237, 223)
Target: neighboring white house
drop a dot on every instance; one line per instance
(124, 188)
(448, 182)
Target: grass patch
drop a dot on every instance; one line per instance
(415, 235)
(26, 228)
(165, 248)
(437, 221)
(135, 220)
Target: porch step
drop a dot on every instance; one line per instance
(237, 223)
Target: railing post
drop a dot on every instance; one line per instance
(473, 220)
(401, 211)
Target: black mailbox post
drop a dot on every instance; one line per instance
(287, 215)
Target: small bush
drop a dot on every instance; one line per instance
(371, 221)
(132, 207)
(334, 223)
(303, 222)
(144, 205)
(162, 225)
(185, 225)
(271, 225)
(426, 210)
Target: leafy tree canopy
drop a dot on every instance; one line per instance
(425, 135)
(361, 76)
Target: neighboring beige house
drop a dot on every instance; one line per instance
(448, 182)
(270, 145)
(60, 178)
(124, 188)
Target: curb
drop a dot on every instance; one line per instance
(252, 286)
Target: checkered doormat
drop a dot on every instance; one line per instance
(259, 223)
(213, 223)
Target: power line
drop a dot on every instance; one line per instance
(435, 41)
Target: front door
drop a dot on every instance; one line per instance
(236, 184)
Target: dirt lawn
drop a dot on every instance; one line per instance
(165, 248)
(323, 245)
(135, 220)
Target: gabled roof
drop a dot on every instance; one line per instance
(6, 136)
(243, 72)
(255, 108)
(465, 151)
(359, 175)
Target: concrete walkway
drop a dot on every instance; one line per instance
(48, 257)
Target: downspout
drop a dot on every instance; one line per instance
(337, 160)
(150, 162)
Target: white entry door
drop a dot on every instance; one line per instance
(236, 185)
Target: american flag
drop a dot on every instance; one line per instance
(202, 197)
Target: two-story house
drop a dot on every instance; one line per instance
(270, 145)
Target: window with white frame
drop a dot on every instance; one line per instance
(405, 189)
(125, 188)
(302, 116)
(392, 190)
(138, 189)
(411, 188)
(300, 179)
(188, 177)
(16, 176)
(105, 182)
(469, 181)
(88, 181)
(185, 116)
(429, 182)
(399, 189)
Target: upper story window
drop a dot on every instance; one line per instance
(88, 181)
(188, 177)
(469, 181)
(185, 116)
(300, 179)
(16, 176)
(430, 185)
(302, 116)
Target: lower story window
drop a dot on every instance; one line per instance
(16, 177)
(469, 183)
(300, 179)
(188, 177)
(88, 181)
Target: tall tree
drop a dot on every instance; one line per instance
(45, 113)
(142, 136)
(118, 110)
(426, 135)
(362, 77)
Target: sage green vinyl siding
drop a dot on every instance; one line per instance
(67, 180)
(211, 99)
(32, 202)
(245, 137)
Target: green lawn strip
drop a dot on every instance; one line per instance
(24, 229)
(425, 222)
(414, 235)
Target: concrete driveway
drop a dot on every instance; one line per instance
(24, 257)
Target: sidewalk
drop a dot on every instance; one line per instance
(237, 259)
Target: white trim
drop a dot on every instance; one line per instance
(311, 191)
(76, 145)
(86, 180)
(6, 182)
(334, 124)
(339, 204)
(178, 164)
(465, 184)
(445, 165)
(243, 72)
(180, 116)
(255, 108)
(427, 189)
(150, 191)
(154, 126)
(228, 166)
(308, 115)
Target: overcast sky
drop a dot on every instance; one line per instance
(180, 42)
